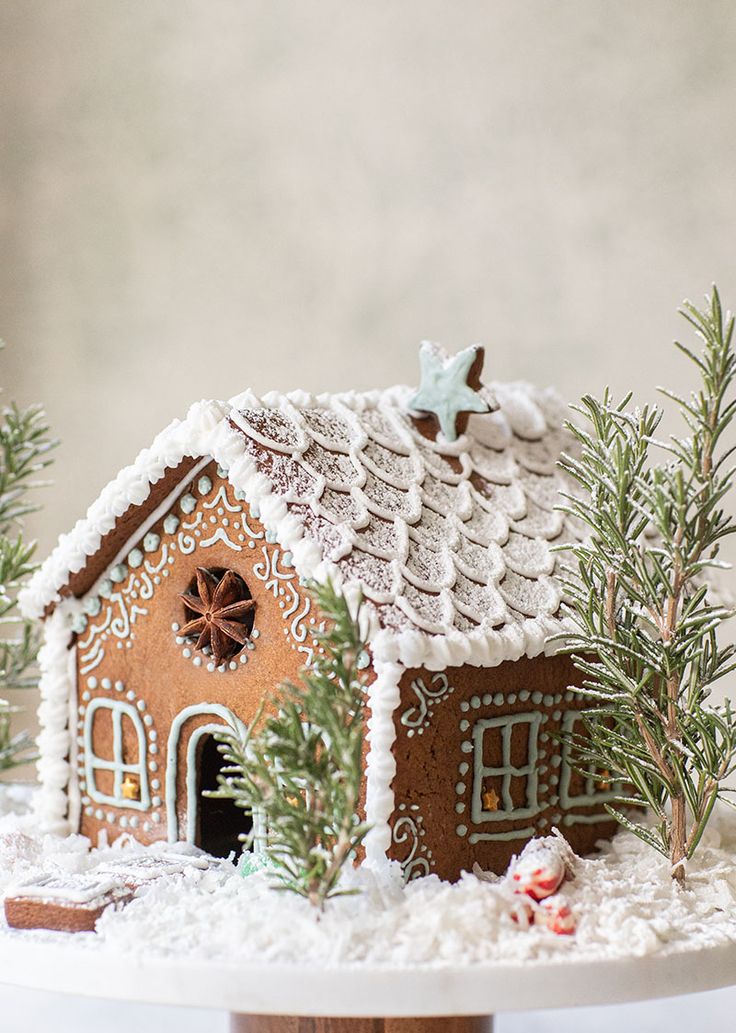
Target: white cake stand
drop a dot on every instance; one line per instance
(260, 996)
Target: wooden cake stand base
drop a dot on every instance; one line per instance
(295, 1024)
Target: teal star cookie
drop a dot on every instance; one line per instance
(444, 390)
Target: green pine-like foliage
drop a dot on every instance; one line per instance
(645, 619)
(301, 765)
(25, 444)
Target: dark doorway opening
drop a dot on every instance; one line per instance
(220, 821)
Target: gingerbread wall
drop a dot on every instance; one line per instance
(455, 779)
(145, 693)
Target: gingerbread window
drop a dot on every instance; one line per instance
(505, 778)
(115, 754)
(578, 788)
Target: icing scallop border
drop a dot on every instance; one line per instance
(207, 431)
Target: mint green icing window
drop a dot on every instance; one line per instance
(503, 737)
(118, 711)
(591, 792)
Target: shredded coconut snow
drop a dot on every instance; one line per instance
(624, 902)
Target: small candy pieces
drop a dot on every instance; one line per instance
(532, 882)
(557, 916)
(541, 867)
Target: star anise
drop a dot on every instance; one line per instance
(222, 607)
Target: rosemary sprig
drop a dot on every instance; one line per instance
(302, 764)
(645, 621)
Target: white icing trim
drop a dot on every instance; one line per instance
(383, 699)
(52, 801)
(207, 432)
(73, 791)
(141, 529)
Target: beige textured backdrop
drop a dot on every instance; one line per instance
(200, 197)
(196, 197)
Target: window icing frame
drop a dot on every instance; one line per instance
(591, 796)
(92, 763)
(507, 770)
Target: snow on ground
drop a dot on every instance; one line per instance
(624, 901)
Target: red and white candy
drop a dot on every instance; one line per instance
(532, 883)
(556, 915)
(541, 867)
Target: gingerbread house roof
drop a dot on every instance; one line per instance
(450, 542)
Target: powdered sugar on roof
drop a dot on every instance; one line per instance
(450, 542)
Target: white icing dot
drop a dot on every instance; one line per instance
(134, 822)
(156, 816)
(174, 626)
(86, 695)
(152, 765)
(88, 811)
(92, 683)
(153, 747)
(106, 683)
(99, 814)
(148, 720)
(210, 667)
(156, 801)
(197, 661)
(146, 826)
(110, 817)
(130, 695)
(186, 653)
(141, 704)
(155, 784)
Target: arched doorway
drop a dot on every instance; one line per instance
(220, 822)
(184, 754)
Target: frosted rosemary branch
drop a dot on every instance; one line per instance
(638, 592)
(302, 764)
(25, 444)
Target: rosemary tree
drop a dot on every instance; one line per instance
(25, 444)
(644, 617)
(302, 765)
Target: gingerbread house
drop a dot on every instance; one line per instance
(180, 598)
